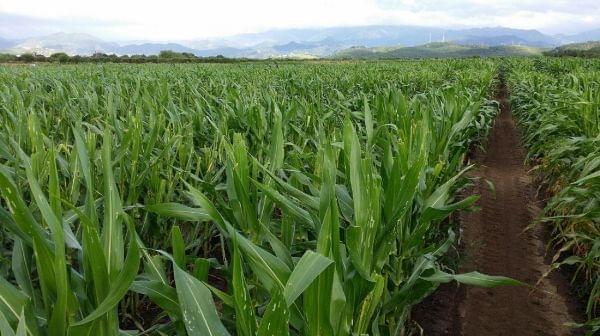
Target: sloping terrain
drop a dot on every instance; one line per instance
(586, 49)
(437, 50)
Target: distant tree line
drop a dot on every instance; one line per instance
(567, 52)
(165, 56)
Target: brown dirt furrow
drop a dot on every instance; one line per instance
(494, 241)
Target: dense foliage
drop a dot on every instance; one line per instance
(165, 56)
(586, 49)
(557, 103)
(437, 50)
(249, 198)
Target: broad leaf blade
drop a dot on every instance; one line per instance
(197, 306)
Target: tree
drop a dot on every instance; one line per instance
(60, 57)
(170, 54)
(27, 57)
(7, 58)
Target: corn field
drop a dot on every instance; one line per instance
(558, 106)
(259, 198)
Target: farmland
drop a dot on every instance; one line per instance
(270, 198)
(559, 111)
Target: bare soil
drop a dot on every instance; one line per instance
(495, 241)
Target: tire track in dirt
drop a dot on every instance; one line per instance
(494, 241)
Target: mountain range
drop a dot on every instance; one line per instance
(306, 42)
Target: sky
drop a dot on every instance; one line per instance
(184, 19)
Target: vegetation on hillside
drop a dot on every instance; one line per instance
(437, 50)
(586, 49)
(432, 50)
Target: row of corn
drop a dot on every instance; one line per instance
(557, 103)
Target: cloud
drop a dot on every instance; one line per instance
(21, 26)
(184, 19)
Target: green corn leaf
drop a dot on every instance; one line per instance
(354, 241)
(306, 271)
(120, 285)
(474, 279)
(305, 199)
(22, 329)
(276, 318)
(179, 211)
(353, 152)
(317, 300)
(278, 247)
(197, 306)
(244, 307)
(286, 204)
(444, 211)
(9, 223)
(201, 269)
(368, 121)
(338, 306)
(94, 256)
(22, 266)
(271, 270)
(439, 197)
(178, 246)
(22, 216)
(369, 305)
(161, 294)
(12, 301)
(86, 169)
(207, 206)
(5, 328)
(58, 320)
(224, 297)
(112, 233)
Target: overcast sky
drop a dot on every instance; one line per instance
(181, 19)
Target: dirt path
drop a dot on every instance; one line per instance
(494, 242)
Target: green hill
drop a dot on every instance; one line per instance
(585, 49)
(437, 50)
